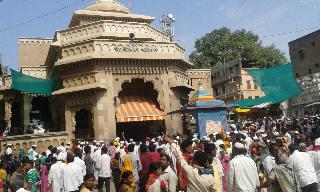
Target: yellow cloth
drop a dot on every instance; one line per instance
(227, 144)
(217, 179)
(85, 190)
(116, 143)
(3, 174)
(127, 164)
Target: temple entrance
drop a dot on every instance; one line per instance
(138, 112)
(84, 128)
(40, 115)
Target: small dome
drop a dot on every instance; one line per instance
(108, 6)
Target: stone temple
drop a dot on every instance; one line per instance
(117, 74)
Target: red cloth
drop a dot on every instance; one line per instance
(155, 157)
(184, 177)
(163, 185)
(146, 160)
(316, 148)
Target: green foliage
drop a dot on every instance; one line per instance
(223, 45)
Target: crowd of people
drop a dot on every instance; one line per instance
(262, 155)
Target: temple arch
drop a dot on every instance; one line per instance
(138, 112)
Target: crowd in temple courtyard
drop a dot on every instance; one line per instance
(262, 155)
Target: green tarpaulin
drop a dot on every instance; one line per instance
(278, 84)
(33, 85)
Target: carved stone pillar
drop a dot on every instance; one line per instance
(27, 107)
(70, 121)
(8, 113)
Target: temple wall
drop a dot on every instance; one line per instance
(33, 52)
(43, 141)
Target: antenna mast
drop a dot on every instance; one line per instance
(129, 4)
(167, 27)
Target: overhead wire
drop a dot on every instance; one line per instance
(40, 16)
(236, 11)
(291, 32)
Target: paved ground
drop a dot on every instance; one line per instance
(111, 185)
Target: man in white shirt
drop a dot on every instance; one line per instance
(200, 177)
(269, 162)
(104, 170)
(32, 153)
(48, 151)
(71, 177)
(96, 158)
(243, 174)
(314, 154)
(62, 148)
(54, 176)
(9, 149)
(78, 160)
(303, 170)
(168, 175)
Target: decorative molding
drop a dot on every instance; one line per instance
(198, 72)
(134, 67)
(118, 49)
(77, 81)
(35, 41)
(79, 99)
(151, 78)
(39, 72)
(110, 29)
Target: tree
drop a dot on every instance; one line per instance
(223, 45)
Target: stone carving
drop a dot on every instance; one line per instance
(107, 47)
(39, 72)
(130, 67)
(134, 48)
(110, 28)
(79, 81)
(35, 41)
(151, 78)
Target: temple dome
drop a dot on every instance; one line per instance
(108, 6)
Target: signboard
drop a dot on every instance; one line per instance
(213, 127)
(136, 48)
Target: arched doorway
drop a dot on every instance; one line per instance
(84, 125)
(138, 112)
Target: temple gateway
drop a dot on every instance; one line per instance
(116, 74)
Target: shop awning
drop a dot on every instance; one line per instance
(137, 108)
(278, 84)
(33, 85)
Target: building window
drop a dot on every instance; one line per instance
(310, 71)
(317, 65)
(248, 85)
(256, 97)
(250, 97)
(301, 54)
(313, 43)
(297, 75)
(256, 86)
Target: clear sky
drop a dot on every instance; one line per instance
(194, 18)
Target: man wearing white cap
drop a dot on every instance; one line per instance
(314, 154)
(62, 147)
(243, 175)
(9, 149)
(54, 177)
(270, 162)
(68, 147)
(32, 153)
